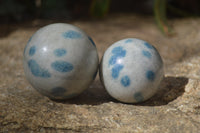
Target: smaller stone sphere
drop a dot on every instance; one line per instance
(60, 61)
(131, 70)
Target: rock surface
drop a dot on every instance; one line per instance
(174, 109)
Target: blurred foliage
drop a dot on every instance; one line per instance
(16, 10)
(189, 9)
(53, 8)
(99, 8)
(19, 10)
(160, 16)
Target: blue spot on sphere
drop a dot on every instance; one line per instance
(150, 75)
(60, 52)
(146, 54)
(72, 34)
(27, 44)
(113, 60)
(138, 97)
(91, 41)
(125, 81)
(36, 70)
(116, 69)
(62, 66)
(30, 39)
(148, 45)
(128, 40)
(58, 91)
(118, 52)
(32, 50)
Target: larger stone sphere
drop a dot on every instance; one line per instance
(60, 61)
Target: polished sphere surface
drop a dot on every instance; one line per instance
(60, 61)
(131, 70)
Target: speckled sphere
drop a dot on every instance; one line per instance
(131, 70)
(60, 61)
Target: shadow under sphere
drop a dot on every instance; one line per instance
(169, 89)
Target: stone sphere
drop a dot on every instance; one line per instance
(131, 70)
(60, 61)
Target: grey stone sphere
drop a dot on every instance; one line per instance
(131, 70)
(60, 61)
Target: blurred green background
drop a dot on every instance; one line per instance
(24, 10)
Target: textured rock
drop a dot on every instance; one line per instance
(174, 109)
